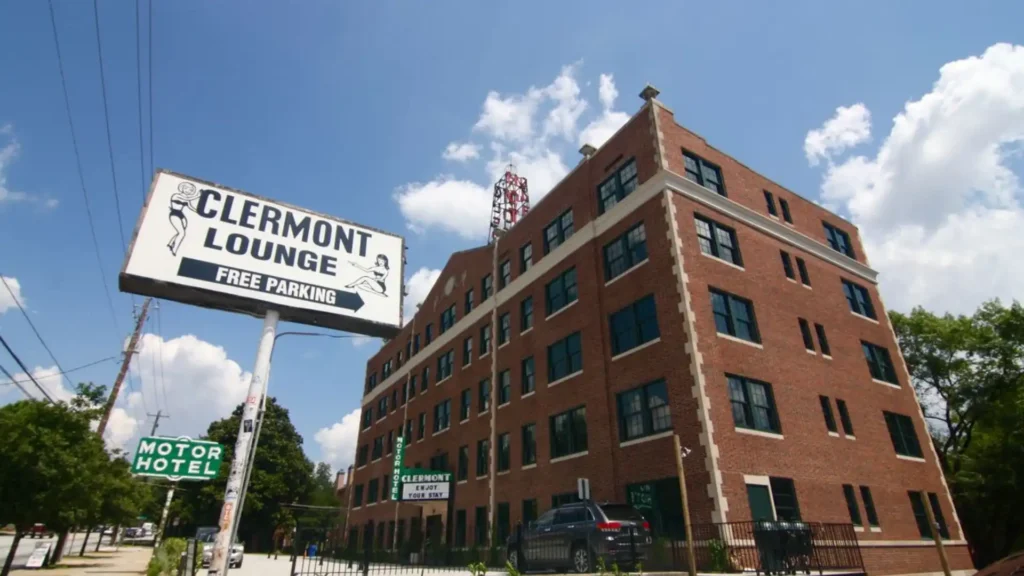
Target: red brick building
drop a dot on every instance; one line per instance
(661, 287)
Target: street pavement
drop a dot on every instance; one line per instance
(27, 545)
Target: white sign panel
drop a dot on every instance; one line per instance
(212, 246)
(413, 491)
(38, 556)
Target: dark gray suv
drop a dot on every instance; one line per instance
(574, 536)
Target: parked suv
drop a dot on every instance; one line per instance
(575, 536)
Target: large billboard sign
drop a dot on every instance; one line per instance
(177, 458)
(204, 244)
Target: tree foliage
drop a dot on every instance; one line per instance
(968, 372)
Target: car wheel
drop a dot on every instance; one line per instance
(581, 559)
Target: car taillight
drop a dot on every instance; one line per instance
(647, 525)
(609, 526)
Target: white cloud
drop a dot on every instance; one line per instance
(604, 126)
(509, 117)
(8, 154)
(940, 207)
(338, 442)
(543, 168)
(461, 151)
(10, 299)
(360, 341)
(565, 93)
(419, 285)
(849, 127)
(459, 206)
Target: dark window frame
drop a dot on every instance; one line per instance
(525, 314)
(746, 388)
(443, 415)
(504, 273)
(528, 376)
(851, 505)
(528, 437)
(838, 239)
(567, 351)
(844, 417)
(468, 303)
(467, 351)
(712, 244)
(448, 318)
(879, 362)
(653, 419)
(616, 187)
(858, 299)
(577, 441)
(701, 175)
(729, 315)
(801, 266)
(823, 345)
(631, 246)
(903, 434)
(869, 506)
(485, 340)
(634, 325)
(463, 464)
(483, 458)
(504, 452)
(525, 257)
(504, 328)
(561, 291)
(805, 333)
(784, 205)
(483, 396)
(465, 404)
(486, 287)
(504, 387)
(559, 230)
(769, 200)
(826, 411)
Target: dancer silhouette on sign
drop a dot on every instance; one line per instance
(374, 284)
(185, 197)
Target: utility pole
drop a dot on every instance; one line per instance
(691, 567)
(156, 420)
(930, 515)
(124, 368)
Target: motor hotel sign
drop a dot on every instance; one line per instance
(208, 245)
(177, 458)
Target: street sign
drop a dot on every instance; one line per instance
(583, 488)
(424, 485)
(200, 243)
(396, 467)
(177, 458)
(38, 556)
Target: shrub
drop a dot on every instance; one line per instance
(166, 558)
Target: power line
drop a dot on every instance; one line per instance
(26, 370)
(106, 120)
(151, 165)
(33, 326)
(78, 163)
(65, 372)
(160, 349)
(138, 76)
(16, 382)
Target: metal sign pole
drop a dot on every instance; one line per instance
(260, 373)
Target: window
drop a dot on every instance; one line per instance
(564, 357)
(362, 455)
(357, 497)
(444, 365)
(769, 200)
(529, 511)
(412, 386)
(503, 522)
(569, 432)
(838, 240)
(443, 415)
(717, 240)
(703, 172)
(801, 266)
(394, 399)
(784, 495)
(426, 379)
(844, 417)
(869, 505)
(423, 425)
(526, 314)
(480, 526)
(385, 370)
(903, 435)
(482, 457)
(485, 339)
(371, 382)
(644, 411)
(465, 404)
(617, 187)
(504, 274)
(486, 287)
(378, 448)
(469, 301)
(787, 264)
(822, 340)
(558, 231)
(858, 299)
(467, 351)
(805, 331)
(626, 251)
(561, 500)
(525, 257)
(529, 444)
(634, 325)
(484, 395)
(921, 516)
(753, 405)
(504, 328)
(408, 430)
(448, 318)
(367, 417)
(463, 472)
(504, 387)
(429, 334)
(851, 504)
(561, 291)
(785, 210)
(504, 452)
(403, 394)
(439, 462)
(734, 316)
(826, 410)
(391, 441)
(382, 408)
(879, 363)
(373, 491)
(528, 382)
(460, 528)
(408, 348)
(416, 344)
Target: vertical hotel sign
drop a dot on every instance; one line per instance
(396, 468)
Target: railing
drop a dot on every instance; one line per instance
(734, 547)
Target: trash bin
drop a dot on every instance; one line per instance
(312, 551)
(769, 542)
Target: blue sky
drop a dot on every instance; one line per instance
(346, 108)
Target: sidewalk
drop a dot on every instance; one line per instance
(127, 560)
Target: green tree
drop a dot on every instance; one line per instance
(281, 474)
(968, 372)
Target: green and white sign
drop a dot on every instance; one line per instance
(177, 458)
(396, 467)
(424, 485)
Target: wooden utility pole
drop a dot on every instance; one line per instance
(930, 515)
(691, 560)
(124, 368)
(156, 420)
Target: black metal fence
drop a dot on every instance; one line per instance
(774, 548)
